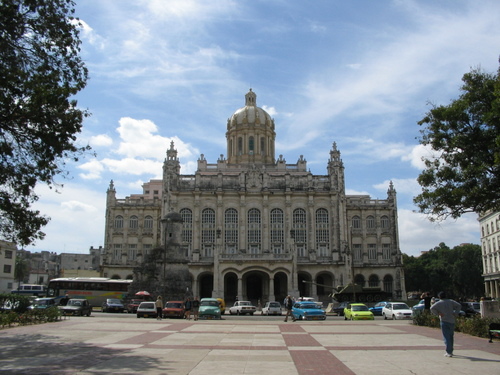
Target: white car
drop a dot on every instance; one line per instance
(147, 310)
(272, 308)
(242, 307)
(396, 310)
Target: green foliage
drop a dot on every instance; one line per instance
(457, 271)
(474, 326)
(14, 310)
(463, 167)
(40, 70)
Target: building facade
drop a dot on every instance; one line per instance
(490, 249)
(8, 254)
(257, 228)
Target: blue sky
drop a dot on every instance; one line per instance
(358, 73)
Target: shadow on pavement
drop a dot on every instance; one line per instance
(39, 354)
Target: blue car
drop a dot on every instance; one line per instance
(306, 310)
(377, 309)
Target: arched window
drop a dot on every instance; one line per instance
(251, 145)
(148, 222)
(359, 280)
(187, 229)
(299, 231)
(373, 281)
(384, 222)
(277, 230)
(254, 231)
(370, 222)
(118, 222)
(208, 231)
(133, 222)
(356, 222)
(240, 146)
(263, 146)
(322, 232)
(231, 230)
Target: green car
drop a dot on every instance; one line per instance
(357, 311)
(209, 308)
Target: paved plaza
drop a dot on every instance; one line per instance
(121, 344)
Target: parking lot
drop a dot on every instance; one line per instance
(121, 343)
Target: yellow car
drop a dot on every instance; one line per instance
(357, 311)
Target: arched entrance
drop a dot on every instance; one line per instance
(230, 288)
(304, 287)
(255, 287)
(206, 285)
(280, 286)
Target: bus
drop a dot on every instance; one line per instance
(95, 289)
(31, 290)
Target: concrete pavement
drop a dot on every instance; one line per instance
(104, 344)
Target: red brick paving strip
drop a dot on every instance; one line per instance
(300, 340)
(318, 362)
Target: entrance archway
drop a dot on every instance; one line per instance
(230, 288)
(256, 286)
(206, 285)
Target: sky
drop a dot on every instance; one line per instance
(360, 73)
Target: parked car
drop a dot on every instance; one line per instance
(77, 306)
(418, 308)
(146, 310)
(133, 305)
(339, 309)
(307, 310)
(209, 309)
(272, 308)
(377, 308)
(357, 311)
(242, 307)
(112, 305)
(42, 303)
(396, 310)
(471, 308)
(174, 309)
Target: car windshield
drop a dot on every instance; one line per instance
(359, 308)
(147, 305)
(113, 300)
(174, 305)
(245, 303)
(308, 306)
(210, 303)
(74, 303)
(400, 306)
(42, 302)
(274, 304)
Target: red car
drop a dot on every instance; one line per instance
(133, 305)
(173, 309)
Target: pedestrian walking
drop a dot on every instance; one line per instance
(187, 308)
(195, 305)
(447, 309)
(159, 308)
(289, 305)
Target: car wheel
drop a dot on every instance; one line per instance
(237, 312)
(88, 314)
(394, 317)
(345, 317)
(251, 313)
(385, 316)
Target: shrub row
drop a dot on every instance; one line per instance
(474, 326)
(14, 310)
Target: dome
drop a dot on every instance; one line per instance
(250, 113)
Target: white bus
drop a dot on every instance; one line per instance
(94, 289)
(31, 290)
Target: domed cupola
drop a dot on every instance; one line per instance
(250, 134)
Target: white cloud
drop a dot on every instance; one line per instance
(417, 233)
(101, 140)
(94, 169)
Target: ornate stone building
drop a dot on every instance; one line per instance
(257, 228)
(490, 249)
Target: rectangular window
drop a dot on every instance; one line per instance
(7, 268)
(8, 254)
(372, 251)
(132, 252)
(357, 252)
(386, 251)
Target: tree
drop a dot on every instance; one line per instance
(463, 173)
(457, 271)
(21, 270)
(40, 71)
